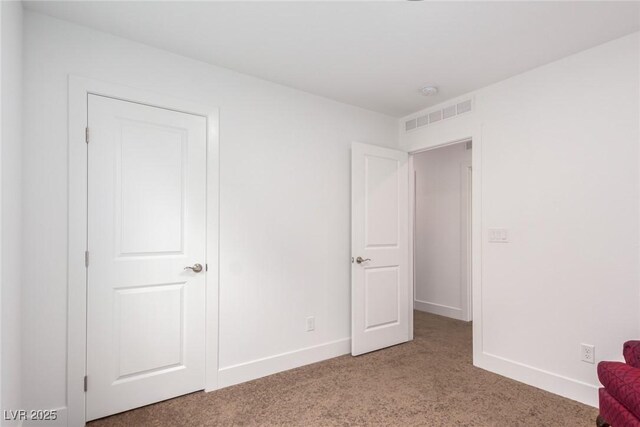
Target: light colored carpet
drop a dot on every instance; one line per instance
(429, 381)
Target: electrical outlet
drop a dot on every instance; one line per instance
(311, 323)
(588, 353)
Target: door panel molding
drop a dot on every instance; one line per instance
(79, 90)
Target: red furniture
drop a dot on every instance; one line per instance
(620, 396)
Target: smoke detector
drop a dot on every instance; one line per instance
(429, 90)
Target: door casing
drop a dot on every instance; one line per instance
(461, 134)
(79, 89)
(468, 173)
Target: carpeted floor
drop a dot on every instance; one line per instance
(429, 381)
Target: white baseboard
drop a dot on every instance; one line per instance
(282, 362)
(555, 383)
(61, 420)
(439, 309)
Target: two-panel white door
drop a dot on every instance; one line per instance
(146, 223)
(380, 289)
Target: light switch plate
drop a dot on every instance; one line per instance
(498, 235)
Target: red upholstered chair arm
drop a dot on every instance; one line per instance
(631, 351)
(622, 382)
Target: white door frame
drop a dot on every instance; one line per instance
(467, 314)
(457, 136)
(79, 89)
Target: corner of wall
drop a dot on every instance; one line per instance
(11, 16)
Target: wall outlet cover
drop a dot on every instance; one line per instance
(588, 353)
(311, 323)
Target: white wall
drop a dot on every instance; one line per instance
(560, 167)
(284, 197)
(10, 155)
(440, 238)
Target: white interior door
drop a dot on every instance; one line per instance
(146, 223)
(380, 297)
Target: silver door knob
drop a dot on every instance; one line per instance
(360, 260)
(197, 268)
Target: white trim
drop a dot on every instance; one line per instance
(259, 368)
(476, 243)
(212, 313)
(439, 309)
(79, 88)
(426, 306)
(469, 247)
(455, 136)
(412, 240)
(545, 380)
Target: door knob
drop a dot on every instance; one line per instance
(359, 260)
(197, 268)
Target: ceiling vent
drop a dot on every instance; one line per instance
(436, 116)
(410, 125)
(422, 121)
(448, 112)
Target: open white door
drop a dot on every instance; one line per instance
(380, 304)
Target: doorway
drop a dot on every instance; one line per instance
(383, 197)
(442, 230)
(142, 304)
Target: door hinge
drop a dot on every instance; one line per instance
(86, 135)
(85, 383)
(86, 258)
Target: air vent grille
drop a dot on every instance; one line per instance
(448, 112)
(410, 125)
(464, 106)
(423, 121)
